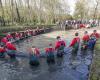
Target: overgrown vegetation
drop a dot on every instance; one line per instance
(32, 12)
(95, 69)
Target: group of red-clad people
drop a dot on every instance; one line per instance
(50, 50)
(15, 36)
(88, 42)
(8, 49)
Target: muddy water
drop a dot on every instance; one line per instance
(19, 69)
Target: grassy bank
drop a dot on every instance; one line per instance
(95, 69)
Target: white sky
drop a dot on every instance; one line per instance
(71, 4)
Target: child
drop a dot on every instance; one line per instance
(11, 49)
(75, 45)
(85, 40)
(34, 54)
(4, 41)
(59, 46)
(17, 36)
(2, 52)
(50, 54)
(95, 34)
(9, 37)
(91, 43)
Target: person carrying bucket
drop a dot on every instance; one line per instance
(50, 54)
(11, 49)
(75, 45)
(34, 55)
(59, 46)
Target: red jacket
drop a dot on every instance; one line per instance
(9, 36)
(2, 50)
(86, 38)
(47, 50)
(4, 40)
(82, 26)
(58, 44)
(74, 41)
(10, 46)
(17, 35)
(37, 51)
(97, 35)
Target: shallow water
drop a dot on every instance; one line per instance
(19, 69)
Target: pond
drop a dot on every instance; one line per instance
(19, 69)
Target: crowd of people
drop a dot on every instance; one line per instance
(8, 49)
(87, 43)
(83, 24)
(76, 24)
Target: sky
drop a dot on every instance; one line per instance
(72, 5)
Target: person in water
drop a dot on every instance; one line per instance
(91, 43)
(34, 54)
(59, 46)
(9, 37)
(85, 40)
(4, 40)
(17, 36)
(95, 34)
(2, 52)
(11, 49)
(50, 54)
(75, 45)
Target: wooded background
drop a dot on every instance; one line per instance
(32, 12)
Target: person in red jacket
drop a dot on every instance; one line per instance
(85, 40)
(50, 54)
(17, 36)
(9, 37)
(2, 52)
(95, 34)
(11, 49)
(34, 54)
(4, 40)
(59, 46)
(75, 45)
(82, 26)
